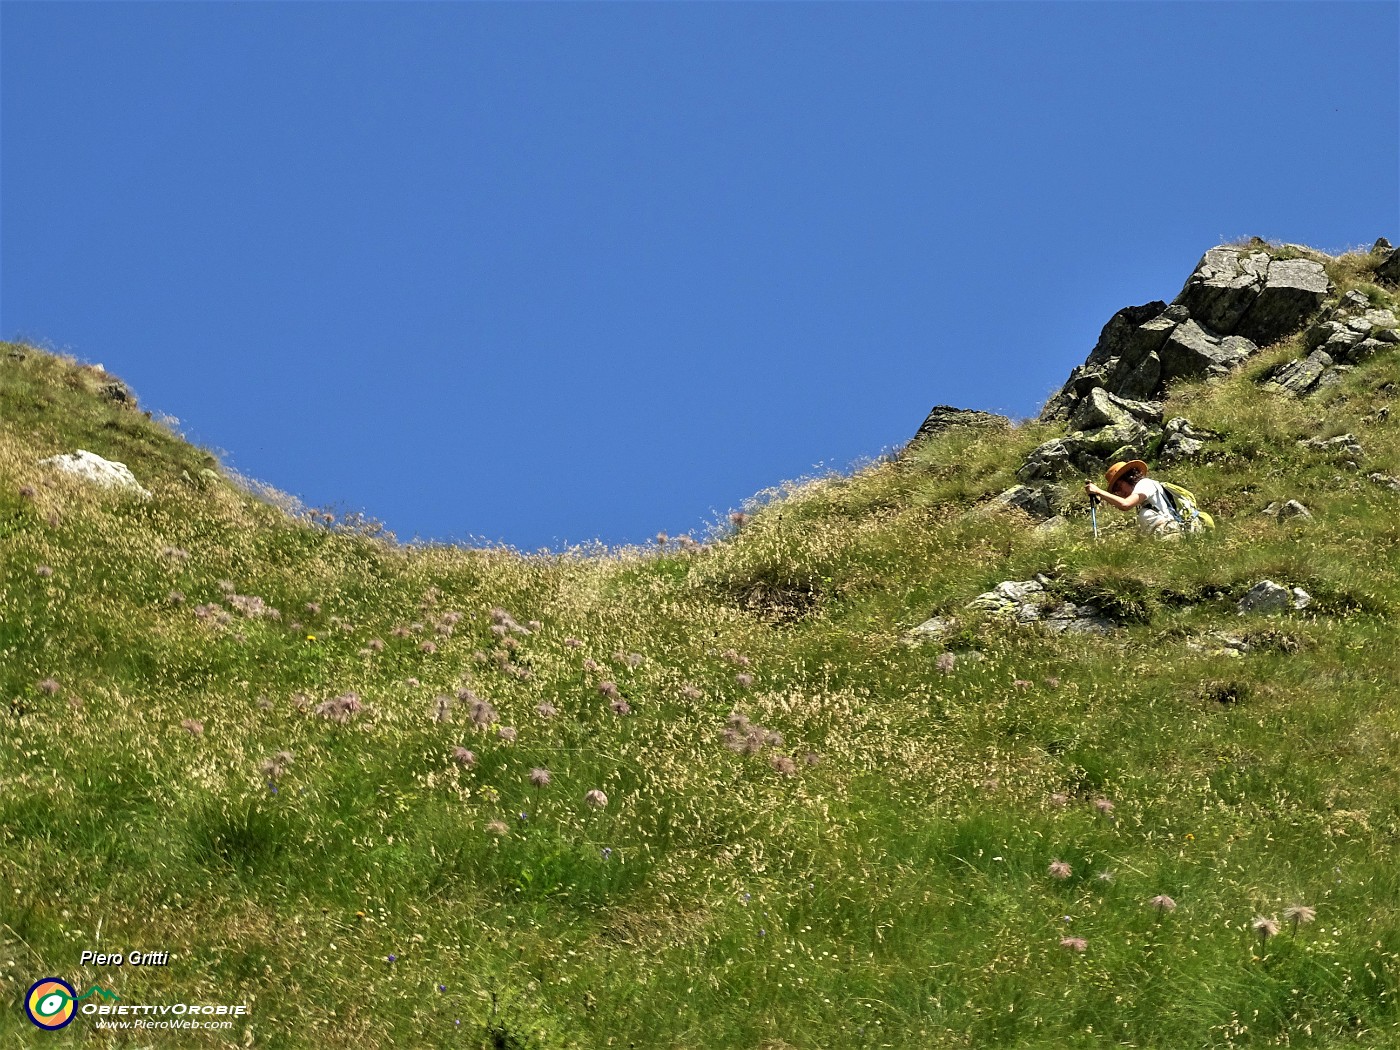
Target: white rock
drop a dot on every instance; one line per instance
(1301, 598)
(91, 467)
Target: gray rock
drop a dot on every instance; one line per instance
(1054, 524)
(946, 417)
(1301, 598)
(1389, 269)
(1049, 460)
(933, 628)
(1224, 286)
(1030, 499)
(1068, 618)
(1264, 598)
(1364, 349)
(1293, 291)
(1332, 377)
(1293, 509)
(1299, 377)
(1341, 443)
(1118, 339)
(1018, 590)
(1179, 447)
(1191, 352)
(1183, 441)
(1142, 381)
(1387, 480)
(1098, 409)
(1039, 501)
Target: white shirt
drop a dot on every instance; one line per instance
(1153, 512)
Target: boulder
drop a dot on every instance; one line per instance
(931, 629)
(1069, 618)
(1033, 500)
(1392, 483)
(1225, 284)
(1191, 351)
(1299, 377)
(1183, 441)
(946, 417)
(1264, 598)
(1235, 291)
(1085, 452)
(93, 468)
(1389, 269)
(1291, 509)
(1293, 291)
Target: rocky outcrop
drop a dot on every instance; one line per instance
(946, 417)
(1253, 295)
(1236, 300)
(1344, 336)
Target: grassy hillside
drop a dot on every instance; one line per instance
(353, 784)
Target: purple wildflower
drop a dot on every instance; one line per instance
(463, 757)
(595, 799)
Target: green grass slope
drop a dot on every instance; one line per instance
(349, 783)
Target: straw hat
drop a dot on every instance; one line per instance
(1116, 471)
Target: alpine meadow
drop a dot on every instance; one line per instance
(908, 757)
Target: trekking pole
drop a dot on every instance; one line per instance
(1094, 515)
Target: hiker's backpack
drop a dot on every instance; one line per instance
(1182, 504)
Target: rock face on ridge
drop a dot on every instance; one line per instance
(946, 417)
(1234, 301)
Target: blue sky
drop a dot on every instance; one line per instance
(549, 273)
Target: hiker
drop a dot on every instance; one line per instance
(1130, 488)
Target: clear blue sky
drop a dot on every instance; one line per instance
(545, 273)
